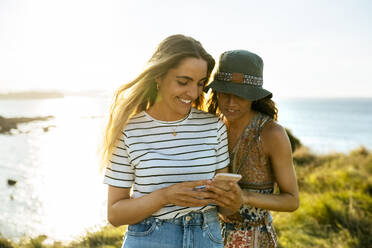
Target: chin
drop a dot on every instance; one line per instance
(230, 117)
(185, 112)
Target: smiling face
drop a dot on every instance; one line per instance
(179, 88)
(234, 108)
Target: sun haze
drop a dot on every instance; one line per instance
(310, 48)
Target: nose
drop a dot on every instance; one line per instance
(194, 91)
(230, 99)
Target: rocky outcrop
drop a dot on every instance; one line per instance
(7, 124)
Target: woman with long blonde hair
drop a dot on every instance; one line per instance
(159, 147)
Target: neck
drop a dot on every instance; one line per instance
(241, 123)
(236, 128)
(157, 112)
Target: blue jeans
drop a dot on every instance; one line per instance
(194, 230)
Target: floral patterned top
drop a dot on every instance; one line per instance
(249, 160)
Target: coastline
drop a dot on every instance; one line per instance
(7, 125)
(21, 95)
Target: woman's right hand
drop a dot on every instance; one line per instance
(185, 194)
(230, 199)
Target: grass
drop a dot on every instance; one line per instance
(335, 211)
(107, 237)
(336, 203)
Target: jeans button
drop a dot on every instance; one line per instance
(188, 218)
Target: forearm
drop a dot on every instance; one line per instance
(283, 202)
(131, 211)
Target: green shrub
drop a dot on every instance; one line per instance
(303, 156)
(295, 142)
(4, 243)
(108, 236)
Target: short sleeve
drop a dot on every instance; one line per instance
(120, 172)
(222, 146)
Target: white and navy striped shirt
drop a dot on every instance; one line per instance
(149, 157)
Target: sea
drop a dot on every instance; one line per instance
(59, 190)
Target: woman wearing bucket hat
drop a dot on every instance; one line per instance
(159, 146)
(259, 150)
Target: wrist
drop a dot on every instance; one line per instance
(246, 197)
(225, 211)
(162, 196)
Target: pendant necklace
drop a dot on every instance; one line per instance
(174, 133)
(174, 127)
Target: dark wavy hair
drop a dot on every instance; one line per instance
(266, 106)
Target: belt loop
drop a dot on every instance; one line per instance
(204, 216)
(158, 222)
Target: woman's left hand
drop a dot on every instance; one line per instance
(230, 199)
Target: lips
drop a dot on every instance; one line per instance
(230, 111)
(185, 101)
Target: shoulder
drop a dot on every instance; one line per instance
(272, 129)
(273, 134)
(205, 117)
(136, 121)
(138, 117)
(198, 114)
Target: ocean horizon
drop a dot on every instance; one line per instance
(59, 190)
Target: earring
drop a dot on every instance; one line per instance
(157, 86)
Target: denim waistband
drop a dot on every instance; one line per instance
(195, 218)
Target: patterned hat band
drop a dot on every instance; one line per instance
(239, 78)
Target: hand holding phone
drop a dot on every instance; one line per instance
(222, 180)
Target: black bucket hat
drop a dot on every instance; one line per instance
(239, 72)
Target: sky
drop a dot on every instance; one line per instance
(317, 48)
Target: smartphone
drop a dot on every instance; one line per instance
(231, 177)
(222, 179)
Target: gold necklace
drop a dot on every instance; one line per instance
(174, 133)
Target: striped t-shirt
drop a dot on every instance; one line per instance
(149, 156)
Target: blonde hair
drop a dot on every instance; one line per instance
(141, 93)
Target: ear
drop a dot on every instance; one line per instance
(158, 82)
